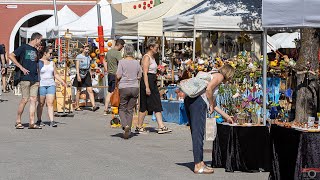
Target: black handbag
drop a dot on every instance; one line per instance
(17, 76)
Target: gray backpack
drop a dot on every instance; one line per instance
(196, 86)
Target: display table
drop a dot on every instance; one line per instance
(294, 153)
(174, 111)
(242, 148)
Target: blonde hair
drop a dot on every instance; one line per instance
(227, 71)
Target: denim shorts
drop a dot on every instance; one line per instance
(46, 90)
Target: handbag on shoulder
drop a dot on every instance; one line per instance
(196, 86)
(115, 98)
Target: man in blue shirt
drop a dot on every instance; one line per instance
(28, 77)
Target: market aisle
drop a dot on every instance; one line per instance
(85, 147)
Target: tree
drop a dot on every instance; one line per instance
(307, 83)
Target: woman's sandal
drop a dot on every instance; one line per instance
(95, 108)
(19, 126)
(34, 126)
(204, 170)
(78, 109)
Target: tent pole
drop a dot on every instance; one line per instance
(265, 76)
(162, 59)
(194, 45)
(55, 12)
(138, 49)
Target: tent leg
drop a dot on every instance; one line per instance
(162, 59)
(194, 45)
(265, 76)
(138, 49)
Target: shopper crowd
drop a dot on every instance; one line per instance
(37, 75)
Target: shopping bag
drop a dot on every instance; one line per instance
(115, 98)
(211, 129)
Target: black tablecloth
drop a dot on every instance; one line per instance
(294, 151)
(244, 149)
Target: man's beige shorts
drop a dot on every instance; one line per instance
(29, 89)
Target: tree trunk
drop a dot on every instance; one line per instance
(307, 83)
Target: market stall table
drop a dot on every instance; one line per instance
(174, 111)
(294, 153)
(241, 148)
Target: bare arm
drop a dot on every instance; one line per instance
(216, 80)
(57, 76)
(13, 58)
(119, 71)
(78, 68)
(3, 61)
(105, 65)
(145, 69)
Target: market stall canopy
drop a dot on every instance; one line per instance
(286, 40)
(218, 15)
(272, 44)
(65, 16)
(291, 13)
(122, 1)
(149, 23)
(87, 24)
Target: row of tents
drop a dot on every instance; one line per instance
(173, 19)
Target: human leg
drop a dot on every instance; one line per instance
(123, 107)
(196, 108)
(131, 104)
(25, 88)
(111, 87)
(78, 98)
(50, 100)
(91, 97)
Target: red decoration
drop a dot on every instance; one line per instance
(144, 3)
(134, 7)
(151, 2)
(101, 43)
(139, 5)
(144, 7)
(148, 5)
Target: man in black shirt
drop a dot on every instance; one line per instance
(29, 80)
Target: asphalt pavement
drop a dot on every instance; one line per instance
(86, 147)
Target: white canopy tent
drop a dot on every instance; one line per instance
(149, 23)
(272, 44)
(65, 16)
(217, 15)
(220, 15)
(86, 25)
(286, 40)
(291, 13)
(288, 13)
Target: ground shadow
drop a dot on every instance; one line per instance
(47, 123)
(3, 100)
(120, 135)
(151, 129)
(190, 165)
